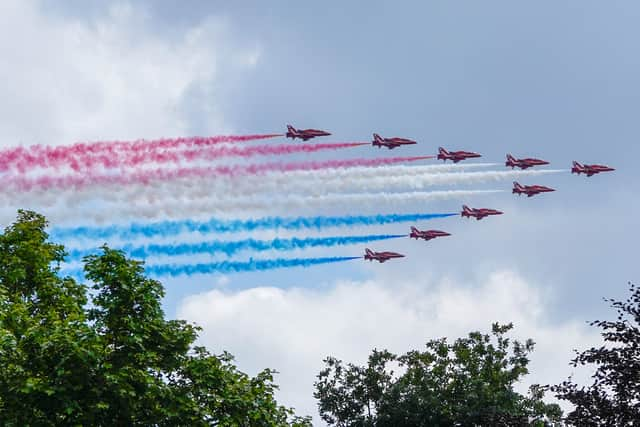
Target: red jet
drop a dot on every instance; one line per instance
(456, 156)
(524, 163)
(304, 134)
(390, 143)
(589, 169)
(530, 190)
(380, 256)
(478, 213)
(426, 234)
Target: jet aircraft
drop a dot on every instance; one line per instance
(390, 143)
(589, 169)
(426, 234)
(530, 190)
(455, 156)
(304, 134)
(524, 163)
(478, 213)
(380, 256)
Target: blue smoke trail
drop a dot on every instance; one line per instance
(169, 228)
(225, 267)
(236, 267)
(230, 248)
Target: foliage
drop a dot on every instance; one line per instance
(614, 397)
(467, 383)
(109, 359)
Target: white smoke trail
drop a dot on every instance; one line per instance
(350, 183)
(220, 205)
(189, 191)
(370, 172)
(215, 205)
(313, 183)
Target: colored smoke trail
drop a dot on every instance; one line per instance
(214, 225)
(229, 248)
(135, 157)
(225, 267)
(73, 181)
(21, 158)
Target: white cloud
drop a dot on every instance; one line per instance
(66, 79)
(113, 77)
(292, 330)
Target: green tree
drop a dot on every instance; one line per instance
(613, 399)
(467, 383)
(109, 359)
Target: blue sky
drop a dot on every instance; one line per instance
(556, 80)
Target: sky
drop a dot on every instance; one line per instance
(548, 79)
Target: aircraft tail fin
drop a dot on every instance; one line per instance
(517, 188)
(442, 151)
(578, 168)
(290, 128)
(510, 158)
(414, 230)
(465, 208)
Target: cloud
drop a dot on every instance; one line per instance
(292, 330)
(67, 79)
(113, 76)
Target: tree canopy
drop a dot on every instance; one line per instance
(613, 399)
(71, 356)
(468, 382)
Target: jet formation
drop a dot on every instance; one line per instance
(455, 157)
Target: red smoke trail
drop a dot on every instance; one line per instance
(135, 157)
(21, 183)
(26, 158)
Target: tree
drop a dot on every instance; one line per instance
(467, 383)
(613, 399)
(111, 358)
